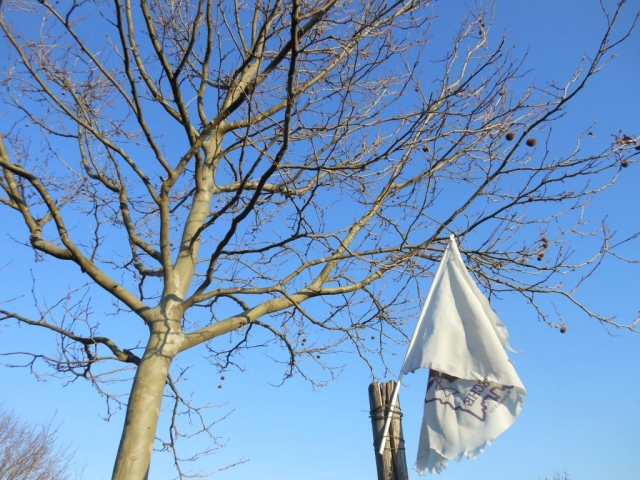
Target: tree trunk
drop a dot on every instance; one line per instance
(145, 401)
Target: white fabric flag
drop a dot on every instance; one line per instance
(474, 393)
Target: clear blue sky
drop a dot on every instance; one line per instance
(583, 388)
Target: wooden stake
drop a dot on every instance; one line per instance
(392, 463)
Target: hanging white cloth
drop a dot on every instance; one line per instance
(474, 393)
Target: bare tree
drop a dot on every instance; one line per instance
(558, 476)
(31, 453)
(278, 173)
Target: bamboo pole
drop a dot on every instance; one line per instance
(391, 407)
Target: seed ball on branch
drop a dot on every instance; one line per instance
(510, 136)
(624, 163)
(219, 386)
(531, 142)
(545, 242)
(563, 329)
